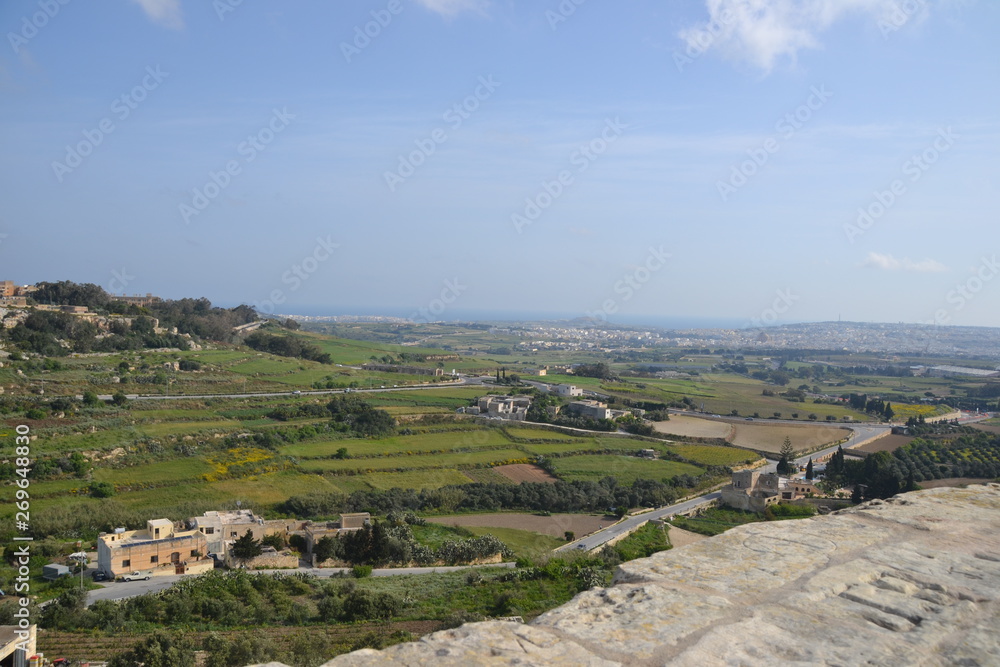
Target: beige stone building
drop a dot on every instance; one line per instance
(752, 490)
(159, 549)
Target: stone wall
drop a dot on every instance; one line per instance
(914, 580)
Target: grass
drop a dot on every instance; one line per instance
(716, 520)
(411, 479)
(626, 469)
(646, 541)
(712, 455)
(449, 460)
(401, 445)
(523, 543)
(160, 472)
(176, 428)
(542, 434)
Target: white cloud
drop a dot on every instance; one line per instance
(165, 12)
(452, 7)
(763, 31)
(876, 260)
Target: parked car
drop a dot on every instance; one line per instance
(98, 575)
(133, 576)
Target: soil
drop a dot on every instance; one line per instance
(889, 443)
(525, 472)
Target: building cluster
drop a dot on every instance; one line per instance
(500, 407)
(753, 491)
(195, 546)
(13, 295)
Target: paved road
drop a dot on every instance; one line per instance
(599, 538)
(121, 590)
(861, 434)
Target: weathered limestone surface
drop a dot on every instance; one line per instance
(910, 581)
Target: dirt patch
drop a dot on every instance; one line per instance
(765, 437)
(680, 537)
(555, 525)
(694, 427)
(889, 443)
(989, 428)
(954, 481)
(525, 472)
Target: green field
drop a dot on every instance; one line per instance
(449, 460)
(712, 455)
(411, 479)
(626, 469)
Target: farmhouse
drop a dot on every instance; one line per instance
(505, 407)
(568, 390)
(752, 490)
(158, 549)
(592, 409)
(313, 532)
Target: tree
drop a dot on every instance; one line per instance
(787, 455)
(809, 469)
(90, 399)
(569, 535)
(118, 398)
(857, 494)
(246, 548)
(159, 650)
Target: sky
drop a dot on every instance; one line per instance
(752, 161)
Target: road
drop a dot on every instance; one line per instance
(860, 435)
(121, 590)
(627, 524)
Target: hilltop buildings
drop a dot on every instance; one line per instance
(159, 549)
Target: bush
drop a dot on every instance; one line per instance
(102, 489)
(361, 571)
(35, 413)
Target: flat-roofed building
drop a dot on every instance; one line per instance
(159, 549)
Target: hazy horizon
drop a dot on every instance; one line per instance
(698, 161)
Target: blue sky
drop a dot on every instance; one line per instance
(741, 159)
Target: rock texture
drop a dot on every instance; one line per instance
(914, 580)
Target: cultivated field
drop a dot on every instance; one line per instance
(680, 537)
(626, 469)
(889, 443)
(769, 437)
(523, 472)
(555, 525)
(695, 427)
